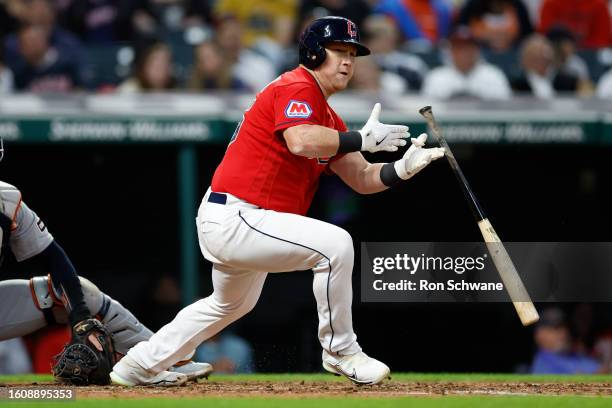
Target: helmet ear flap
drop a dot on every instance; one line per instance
(312, 53)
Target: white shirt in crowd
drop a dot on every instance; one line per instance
(604, 87)
(484, 81)
(6, 80)
(542, 86)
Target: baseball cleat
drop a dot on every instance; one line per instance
(359, 368)
(128, 373)
(192, 369)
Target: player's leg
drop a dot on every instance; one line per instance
(19, 314)
(235, 293)
(278, 242)
(292, 242)
(32, 304)
(29, 305)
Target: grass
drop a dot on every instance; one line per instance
(453, 401)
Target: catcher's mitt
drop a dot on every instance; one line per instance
(83, 361)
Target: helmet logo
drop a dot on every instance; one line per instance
(327, 31)
(352, 29)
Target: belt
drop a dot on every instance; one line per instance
(217, 198)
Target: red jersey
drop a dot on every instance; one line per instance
(258, 166)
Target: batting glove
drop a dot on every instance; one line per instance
(416, 157)
(376, 136)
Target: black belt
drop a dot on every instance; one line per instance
(217, 198)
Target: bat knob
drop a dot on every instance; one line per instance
(424, 110)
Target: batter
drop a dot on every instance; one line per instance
(252, 219)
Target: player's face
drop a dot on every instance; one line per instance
(337, 69)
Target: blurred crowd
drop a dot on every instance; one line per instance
(571, 341)
(485, 49)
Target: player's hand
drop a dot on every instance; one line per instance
(416, 157)
(377, 136)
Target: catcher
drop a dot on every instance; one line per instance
(63, 297)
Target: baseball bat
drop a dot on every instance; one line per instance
(507, 271)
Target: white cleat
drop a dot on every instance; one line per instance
(192, 370)
(128, 373)
(359, 368)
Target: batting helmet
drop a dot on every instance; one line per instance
(326, 30)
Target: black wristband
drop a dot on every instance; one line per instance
(388, 175)
(349, 142)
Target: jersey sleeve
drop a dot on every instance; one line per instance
(30, 236)
(297, 104)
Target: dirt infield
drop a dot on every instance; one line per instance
(296, 389)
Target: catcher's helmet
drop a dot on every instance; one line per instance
(326, 30)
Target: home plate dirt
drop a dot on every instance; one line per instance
(322, 388)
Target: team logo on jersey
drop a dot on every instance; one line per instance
(298, 109)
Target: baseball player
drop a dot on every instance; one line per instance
(62, 297)
(252, 219)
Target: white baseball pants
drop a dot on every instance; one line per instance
(245, 243)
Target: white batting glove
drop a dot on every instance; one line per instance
(376, 136)
(416, 157)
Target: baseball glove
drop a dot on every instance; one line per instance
(88, 358)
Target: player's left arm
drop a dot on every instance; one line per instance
(368, 178)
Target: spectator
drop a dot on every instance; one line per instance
(539, 75)
(198, 13)
(428, 20)
(250, 68)
(383, 38)
(6, 76)
(11, 12)
(497, 24)
(160, 301)
(227, 353)
(42, 13)
(603, 350)
(41, 67)
(467, 75)
(99, 21)
(273, 20)
(604, 86)
(354, 10)
(566, 59)
(153, 70)
(588, 20)
(210, 69)
(369, 77)
(554, 355)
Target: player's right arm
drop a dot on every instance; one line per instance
(311, 140)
